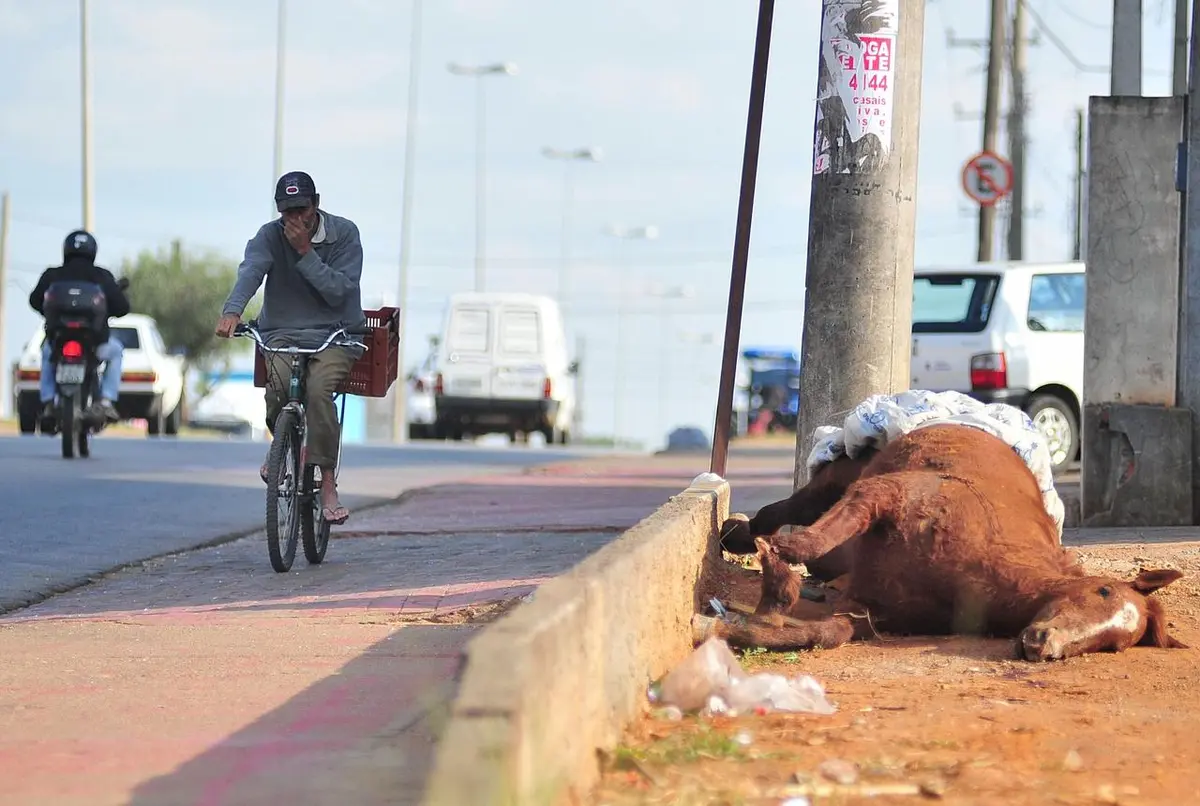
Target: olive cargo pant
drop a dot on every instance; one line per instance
(326, 371)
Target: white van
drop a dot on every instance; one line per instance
(503, 367)
(1006, 333)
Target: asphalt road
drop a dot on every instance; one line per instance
(63, 521)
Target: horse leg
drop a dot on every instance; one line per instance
(865, 502)
(774, 633)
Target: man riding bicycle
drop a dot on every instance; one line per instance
(312, 262)
(79, 265)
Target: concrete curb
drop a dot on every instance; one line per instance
(560, 677)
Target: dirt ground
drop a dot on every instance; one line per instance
(955, 719)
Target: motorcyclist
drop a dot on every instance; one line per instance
(79, 265)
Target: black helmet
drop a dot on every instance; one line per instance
(79, 243)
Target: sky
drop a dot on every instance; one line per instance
(183, 117)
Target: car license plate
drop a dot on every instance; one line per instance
(69, 373)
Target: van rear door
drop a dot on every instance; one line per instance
(468, 348)
(520, 365)
(950, 317)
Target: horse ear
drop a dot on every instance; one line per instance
(1150, 580)
(1156, 628)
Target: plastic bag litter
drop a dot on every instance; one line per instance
(713, 682)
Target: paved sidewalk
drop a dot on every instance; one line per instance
(206, 678)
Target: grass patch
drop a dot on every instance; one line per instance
(759, 658)
(682, 748)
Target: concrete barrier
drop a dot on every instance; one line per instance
(559, 678)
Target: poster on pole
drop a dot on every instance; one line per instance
(855, 86)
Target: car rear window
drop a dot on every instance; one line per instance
(469, 329)
(519, 333)
(953, 303)
(128, 336)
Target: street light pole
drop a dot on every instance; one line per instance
(648, 233)
(568, 155)
(280, 29)
(85, 98)
(400, 392)
(479, 73)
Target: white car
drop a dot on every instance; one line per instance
(418, 406)
(151, 377)
(1006, 333)
(503, 367)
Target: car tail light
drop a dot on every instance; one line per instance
(139, 377)
(989, 371)
(547, 389)
(439, 385)
(29, 375)
(72, 349)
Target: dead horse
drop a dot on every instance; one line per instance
(952, 538)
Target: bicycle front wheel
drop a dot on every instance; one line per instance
(314, 529)
(283, 492)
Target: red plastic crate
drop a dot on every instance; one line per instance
(376, 370)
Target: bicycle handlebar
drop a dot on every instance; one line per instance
(251, 331)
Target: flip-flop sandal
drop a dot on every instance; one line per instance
(328, 514)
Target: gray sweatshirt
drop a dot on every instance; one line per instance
(305, 297)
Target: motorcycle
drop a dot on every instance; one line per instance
(75, 313)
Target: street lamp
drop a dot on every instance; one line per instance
(662, 295)
(568, 156)
(479, 72)
(648, 232)
(280, 29)
(85, 103)
(400, 391)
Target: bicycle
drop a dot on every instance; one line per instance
(290, 478)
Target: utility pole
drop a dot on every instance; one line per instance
(5, 392)
(862, 225)
(400, 390)
(1126, 71)
(991, 124)
(85, 102)
(1016, 135)
(1080, 185)
(1188, 370)
(1179, 64)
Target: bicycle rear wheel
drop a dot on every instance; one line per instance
(314, 529)
(283, 492)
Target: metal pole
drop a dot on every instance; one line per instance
(1188, 385)
(1179, 64)
(5, 374)
(480, 189)
(1016, 133)
(862, 226)
(1126, 76)
(279, 65)
(564, 246)
(399, 393)
(991, 121)
(619, 381)
(741, 240)
(85, 87)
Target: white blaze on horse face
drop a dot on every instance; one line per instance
(1127, 619)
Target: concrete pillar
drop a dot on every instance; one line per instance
(1129, 477)
(1126, 70)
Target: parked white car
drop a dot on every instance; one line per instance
(151, 378)
(503, 367)
(1007, 333)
